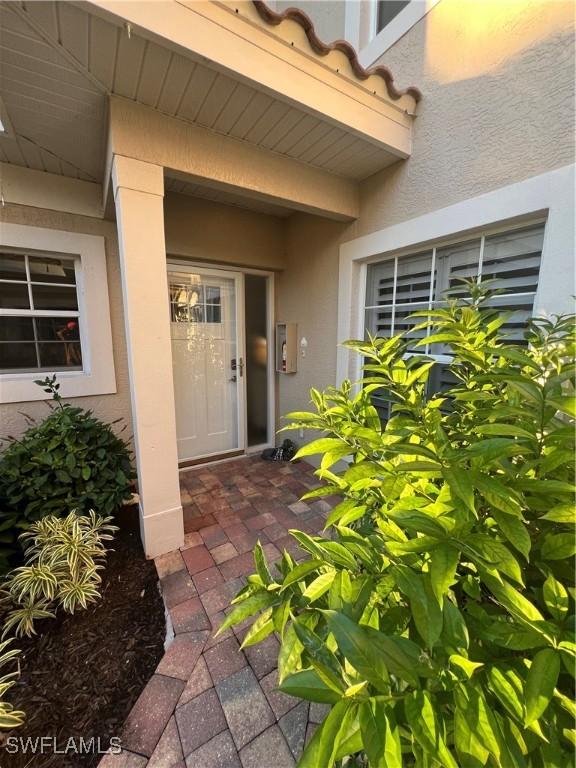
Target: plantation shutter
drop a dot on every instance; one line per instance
(397, 287)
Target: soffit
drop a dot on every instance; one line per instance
(59, 62)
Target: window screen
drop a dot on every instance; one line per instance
(39, 313)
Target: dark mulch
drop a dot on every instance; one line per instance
(83, 673)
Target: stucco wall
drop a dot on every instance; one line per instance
(198, 229)
(328, 16)
(497, 107)
(107, 407)
(207, 231)
(306, 296)
(498, 104)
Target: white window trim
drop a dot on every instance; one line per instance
(97, 376)
(550, 196)
(371, 50)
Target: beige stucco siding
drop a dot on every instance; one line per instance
(223, 234)
(498, 104)
(196, 229)
(107, 407)
(497, 108)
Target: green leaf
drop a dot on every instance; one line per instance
(562, 513)
(467, 666)
(261, 564)
(323, 747)
(306, 684)
(323, 445)
(301, 570)
(443, 563)
(511, 599)
(504, 429)
(372, 653)
(471, 704)
(508, 689)
(320, 585)
(495, 553)
(380, 735)
(558, 546)
(290, 653)
(426, 612)
(248, 607)
(460, 484)
(555, 597)
(324, 661)
(421, 718)
(260, 629)
(540, 683)
(514, 530)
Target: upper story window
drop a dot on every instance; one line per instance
(401, 285)
(39, 312)
(386, 10)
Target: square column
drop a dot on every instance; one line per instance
(139, 197)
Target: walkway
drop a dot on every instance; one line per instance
(209, 704)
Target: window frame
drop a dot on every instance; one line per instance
(97, 375)
(49, 313)
(550, 196)
(434, 247)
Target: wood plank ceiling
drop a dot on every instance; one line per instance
(58, 64)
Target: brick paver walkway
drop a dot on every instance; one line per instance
(209, 704)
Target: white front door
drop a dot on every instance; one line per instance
(207, 360)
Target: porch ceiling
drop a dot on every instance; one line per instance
(59, 62)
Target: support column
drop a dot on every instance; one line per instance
(139, 194)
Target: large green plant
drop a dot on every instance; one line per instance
(437, 619)
(71, 460)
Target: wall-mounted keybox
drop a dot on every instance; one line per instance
(286, 347)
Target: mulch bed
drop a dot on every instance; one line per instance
(82, 674)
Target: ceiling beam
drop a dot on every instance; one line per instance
(225, 163)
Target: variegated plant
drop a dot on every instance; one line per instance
(9, 717)
(64, 557)
(437, 620)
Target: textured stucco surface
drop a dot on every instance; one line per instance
(498, 104)
(497, 108)
(107, 407)
(195, 229)
(207, 231)
(306, 295)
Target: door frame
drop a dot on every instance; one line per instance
(237, 274)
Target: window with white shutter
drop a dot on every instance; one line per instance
(400, 285)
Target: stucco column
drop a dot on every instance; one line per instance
(139, 194)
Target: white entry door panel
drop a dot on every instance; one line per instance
(206, 361)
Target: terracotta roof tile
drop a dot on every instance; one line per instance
(323, 49)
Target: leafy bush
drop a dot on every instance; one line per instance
(71, 460)
(9, 717)
(437, 620)
(63, 559)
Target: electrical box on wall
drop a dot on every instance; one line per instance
(286, 347)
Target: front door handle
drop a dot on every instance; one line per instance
(241, 367)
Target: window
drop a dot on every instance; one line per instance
(401, 285)
(192, 302)
(54, 313)
(39, 314)
(386, 10)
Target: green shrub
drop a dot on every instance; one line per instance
(63, 558)
(437, 620)
(71, 460)
(9, 717)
